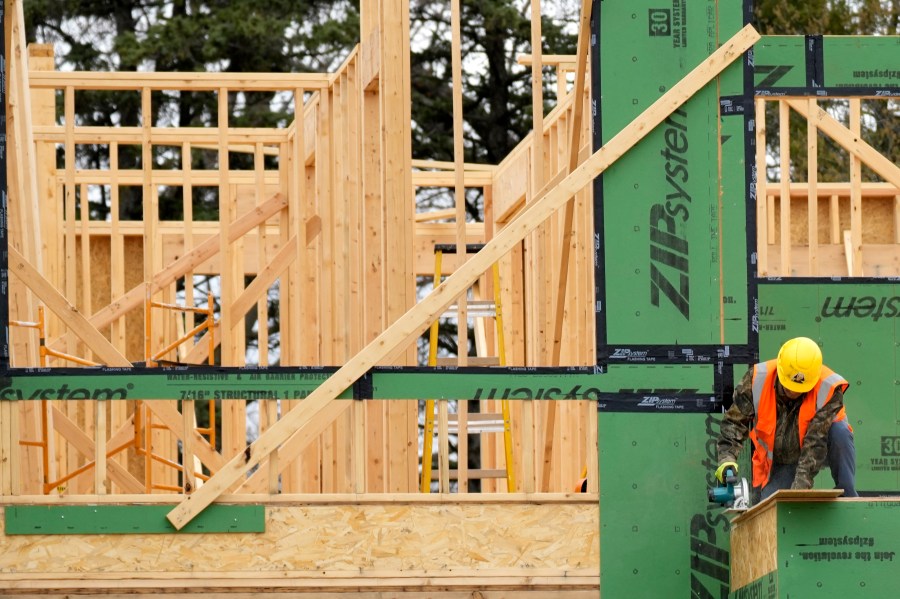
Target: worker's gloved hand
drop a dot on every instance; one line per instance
(802, 481)
(725, 467)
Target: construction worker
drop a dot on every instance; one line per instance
(796, 421)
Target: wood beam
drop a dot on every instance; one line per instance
(21, 106)
(459, 197)
(556, 60)
(262, 282)
(370, 60)
(826, 189)
(156, 81)
(855, 190)
(812, 196)
(784, 155)
(567, 234)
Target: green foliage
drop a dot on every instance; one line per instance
(814, 17)
(497, 93)
(497, 108)
(189, 36)
(827, 17)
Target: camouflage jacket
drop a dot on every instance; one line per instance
(740, 418)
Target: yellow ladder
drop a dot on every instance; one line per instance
(463, 423)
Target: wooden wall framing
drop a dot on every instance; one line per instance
(326, 214)
(856, 223)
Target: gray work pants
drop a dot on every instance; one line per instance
(841, 458)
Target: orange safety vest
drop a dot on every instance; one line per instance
(763, 432)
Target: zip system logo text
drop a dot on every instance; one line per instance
(669, 258)
(66, 392)
(865, 306)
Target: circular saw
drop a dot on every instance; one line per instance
(733, 493)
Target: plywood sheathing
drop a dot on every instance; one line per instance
(328, 545)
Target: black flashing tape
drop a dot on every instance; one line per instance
(825, 92)
(600, 330)
(677, 354)
(489, 370)
(725, 385)
(750, 198)
(182, 370)
(363, 387)
(450, 248)
(829, 280)
(815, 65)
(658, 403)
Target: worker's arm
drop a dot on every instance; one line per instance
(815, 444)
(737, 420)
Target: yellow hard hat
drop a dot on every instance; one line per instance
(799, 364)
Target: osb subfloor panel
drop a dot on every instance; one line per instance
(392, 548)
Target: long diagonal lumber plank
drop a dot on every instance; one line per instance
(312, 415)
(102, 348)
(264, 279)
(69, 314)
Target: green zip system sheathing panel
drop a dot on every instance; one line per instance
(659, 537)
(672, 275)
(127, 519)
(832, 549)
(203, 384)
(785, 64)
(858, 327)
